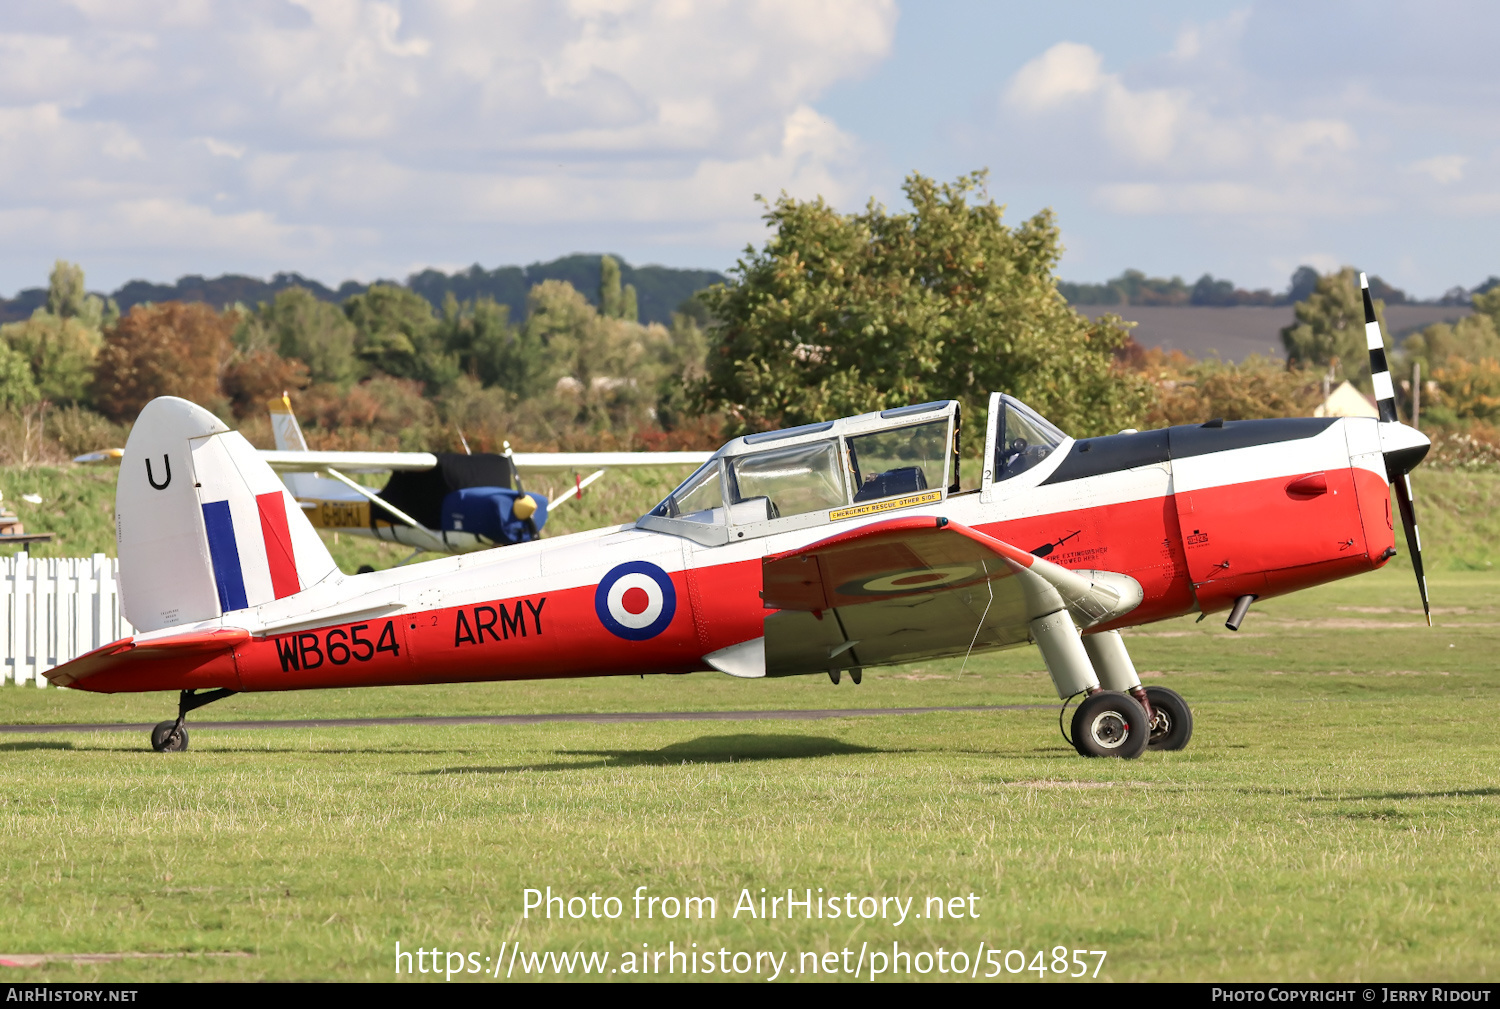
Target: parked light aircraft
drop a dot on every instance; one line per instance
(820, 549)
(443, 502)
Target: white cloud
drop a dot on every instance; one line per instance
(219, 148)
(283, 125)
(1443, 169)
(1173, 128)
(1067, 70)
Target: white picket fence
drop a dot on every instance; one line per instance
(53, 609)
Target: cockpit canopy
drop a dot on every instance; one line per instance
(841, 469)
(816, 473)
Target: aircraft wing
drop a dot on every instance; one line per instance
(918, 588)
(540, 462)
(295, 461)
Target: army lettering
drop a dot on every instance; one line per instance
(511, 622)
(337, 647)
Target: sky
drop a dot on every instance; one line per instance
(353, 139)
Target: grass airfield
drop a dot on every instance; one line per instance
(1335, 817)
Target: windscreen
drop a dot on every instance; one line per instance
(1025, 438)
(699, 498)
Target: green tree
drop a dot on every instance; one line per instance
(61, 352)
(1488, 303)
(297, 326)
(399, 335)
(630, 309)
(1330, 327)
(68, 298)
(480, 337)
(1471, 338)
(17, 389)
(839, 314)
(611, 299)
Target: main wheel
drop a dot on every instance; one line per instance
(167, 737)
(1173, 725)
(1110, 724)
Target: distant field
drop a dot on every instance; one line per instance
(1333, 819)
(1236, 333)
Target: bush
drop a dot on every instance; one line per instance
(1466, 392)
(1188, 391)
(255, 377)
(172, 349)
(78, 430)
(380, 414)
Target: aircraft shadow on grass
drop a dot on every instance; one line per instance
(1449, 793)
(37, 744)
(739, 748)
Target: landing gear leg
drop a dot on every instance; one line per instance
(1171, 720)
(172, 736)
(1108, 723)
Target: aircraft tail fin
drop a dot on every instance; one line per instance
(203, 525)
(284, 425)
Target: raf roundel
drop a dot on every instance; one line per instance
(635, 601)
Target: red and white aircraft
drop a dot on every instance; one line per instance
(822, 549)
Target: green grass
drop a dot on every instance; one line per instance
(1334, 818)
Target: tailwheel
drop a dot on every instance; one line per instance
(169, 737)
(1172, 719)
(1110, 724)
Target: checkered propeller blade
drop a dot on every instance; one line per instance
(1399, 462)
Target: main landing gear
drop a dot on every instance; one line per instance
(172, 736)
(1118, 716)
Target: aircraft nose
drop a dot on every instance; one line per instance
(1404, 447)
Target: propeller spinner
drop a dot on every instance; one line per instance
(1403, 447)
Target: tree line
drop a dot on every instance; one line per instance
(1133, 287)
(380, 370)
(660, 290)
(835, 313)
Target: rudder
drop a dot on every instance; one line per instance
(202, 525)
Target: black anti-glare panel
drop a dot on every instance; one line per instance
(1111, 454)
(1116, 453)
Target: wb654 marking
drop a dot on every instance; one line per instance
(338, 646)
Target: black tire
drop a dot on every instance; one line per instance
(1173, 725)
(168, 738)
(1110, 724)
(365, 569)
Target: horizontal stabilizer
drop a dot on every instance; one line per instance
(131, 650)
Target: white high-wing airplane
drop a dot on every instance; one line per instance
(442, 502)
